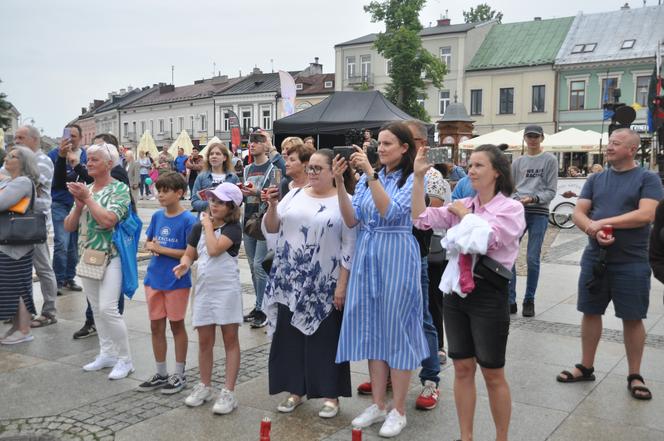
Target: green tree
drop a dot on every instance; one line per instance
(5, 107)
(482, 12)
(402, 45)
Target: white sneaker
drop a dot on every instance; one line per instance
(121, 370)
(393, 425)
(201, 394)
(101, 362)
(225, 403)
(371, 415)
(15, 337)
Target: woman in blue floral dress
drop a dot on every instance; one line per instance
(383, 315)
(307, 289)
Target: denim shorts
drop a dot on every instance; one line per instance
(478, 325)
(626, 284)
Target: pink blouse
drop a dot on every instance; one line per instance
(505, 216)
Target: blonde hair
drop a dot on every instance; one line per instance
(227, 165)
(290, 142)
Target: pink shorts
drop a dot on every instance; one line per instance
(167, 304)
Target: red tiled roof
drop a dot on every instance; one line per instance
(315, 84)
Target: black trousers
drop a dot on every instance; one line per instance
(304, 364)
(436, 300)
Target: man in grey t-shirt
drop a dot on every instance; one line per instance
(535, 180)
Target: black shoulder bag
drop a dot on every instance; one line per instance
(491, 270)
(28, 228)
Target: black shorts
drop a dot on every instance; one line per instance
(478, 325)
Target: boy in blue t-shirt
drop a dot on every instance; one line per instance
(166, 295)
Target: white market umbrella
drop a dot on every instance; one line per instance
(183, 140)
(572, 140)
(146, 144)
(501, 136)
(210, 142)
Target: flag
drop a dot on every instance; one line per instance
(608, 113)
(288, 93)
(234, 125)
(655, 101)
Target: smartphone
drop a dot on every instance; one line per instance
(437, 155)
(277, 176)
(344, 151)
(66, 133)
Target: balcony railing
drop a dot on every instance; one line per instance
(359, 80)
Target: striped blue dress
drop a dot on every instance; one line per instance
(383, 312)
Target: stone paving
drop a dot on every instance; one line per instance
(46, 395)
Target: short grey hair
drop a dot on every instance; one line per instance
(34, 133)
(634, 137)
(109, 151)
(419, 126)
(28, 162)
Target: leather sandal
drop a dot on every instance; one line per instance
(638, 392)
(587, 374)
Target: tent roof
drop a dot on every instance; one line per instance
(501, 136)
(146, 144)
(341, 112)
(183, 140)
(572, 140)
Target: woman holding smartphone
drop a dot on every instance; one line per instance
(383, 317)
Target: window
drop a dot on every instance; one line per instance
(266, 118)
(151, 127)
(365, 60)
(476, 102)
(577, 49)
(226, 123)
(298, 86)
(589, 47)
(506, 101)
(642, 86)
(180, 123)
(203, 123)
(161, 126)
(420, 99)
(170, 126)
(609, 85)
(125, 128)
(446, 55)
(388, 67)
(350, 67)
(328, 84)
(582, 48)
(627, 44)
(246, 120)
(133, 127)
(444, 98)
(538, 98)
(577, 95)
(191, 124)
(142, 127)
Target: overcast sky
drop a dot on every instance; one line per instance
(57, 56)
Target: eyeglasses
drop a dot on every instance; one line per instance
(313, 170)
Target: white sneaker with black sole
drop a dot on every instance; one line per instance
(155, 382)
(199, 395)
(176, 382)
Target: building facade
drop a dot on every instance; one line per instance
(359, 65)
(510, 82)
(605, 53)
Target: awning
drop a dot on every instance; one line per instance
(146, 144)
(183, 141)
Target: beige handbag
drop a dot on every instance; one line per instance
(92, 263)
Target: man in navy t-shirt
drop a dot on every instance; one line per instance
(615, 209)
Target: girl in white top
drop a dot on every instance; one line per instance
(215, 243)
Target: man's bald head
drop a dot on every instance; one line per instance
(632, 138)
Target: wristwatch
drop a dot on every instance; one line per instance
(373, 177)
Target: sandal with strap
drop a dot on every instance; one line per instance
(43, 320)
(638, 392)
(587, 374)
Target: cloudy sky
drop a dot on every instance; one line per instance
(58, 56)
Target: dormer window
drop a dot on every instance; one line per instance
(328, 84)
(298, 86)
(578, 48)
(627, 44)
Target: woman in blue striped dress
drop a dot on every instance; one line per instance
(382, 321)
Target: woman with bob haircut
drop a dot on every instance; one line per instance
(480, 229)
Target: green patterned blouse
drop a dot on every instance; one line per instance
(115, 197)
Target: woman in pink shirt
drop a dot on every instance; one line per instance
(475, 309)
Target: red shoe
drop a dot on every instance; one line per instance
(365, 388)
(428, 399)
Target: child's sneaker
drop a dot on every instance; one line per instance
(175, 383)
(225, 403)
(153, 383)
(201, 394)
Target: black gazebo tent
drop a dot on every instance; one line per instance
(330, 120)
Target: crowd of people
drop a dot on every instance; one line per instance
(351, 259)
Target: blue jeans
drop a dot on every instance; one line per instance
(536, 225)
(143, 187)
(90, 319)
(65, 249)
(430, 365)
(256, 251)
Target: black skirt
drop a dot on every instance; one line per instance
(304, 364)
(15, 283)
